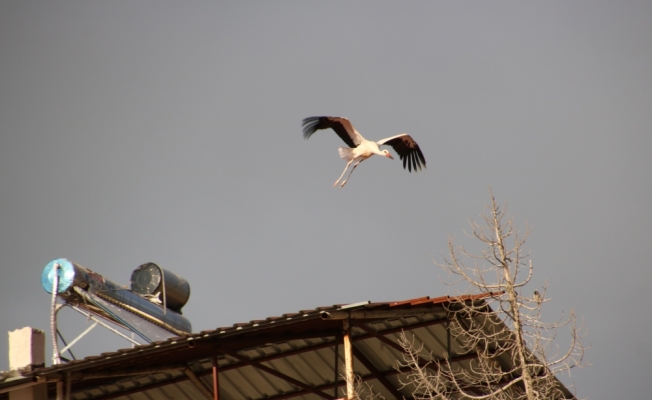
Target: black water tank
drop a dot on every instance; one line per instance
(148, 279)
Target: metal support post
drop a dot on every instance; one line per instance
(336, 366)
(348, 359)
(216, 380)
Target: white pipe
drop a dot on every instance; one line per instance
(56, 357)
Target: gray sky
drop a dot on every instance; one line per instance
(171, 132)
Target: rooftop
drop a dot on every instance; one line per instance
(292, 356)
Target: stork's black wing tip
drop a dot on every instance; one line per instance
(413, 161)
(309, 126)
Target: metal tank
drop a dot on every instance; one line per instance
(78, 285)
(151, 280)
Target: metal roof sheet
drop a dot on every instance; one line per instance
(289, 356)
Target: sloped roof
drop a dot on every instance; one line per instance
(296, 355)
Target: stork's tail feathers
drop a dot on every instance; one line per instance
(346, 153)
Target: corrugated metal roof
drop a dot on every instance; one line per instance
(289, 356)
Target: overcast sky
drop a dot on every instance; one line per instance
(171, 132)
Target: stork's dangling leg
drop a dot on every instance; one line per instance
(352, 169)
(345, 168)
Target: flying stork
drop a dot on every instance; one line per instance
(360, 148)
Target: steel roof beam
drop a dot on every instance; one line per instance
(199, 384)
(380, 376)
(381, 336)
(271, 371)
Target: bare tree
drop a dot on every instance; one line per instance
(513, 354)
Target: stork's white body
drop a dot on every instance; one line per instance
(358, 154)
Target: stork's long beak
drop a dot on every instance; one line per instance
(390, 156)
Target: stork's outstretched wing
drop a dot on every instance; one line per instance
(341, 126)
(407, 149)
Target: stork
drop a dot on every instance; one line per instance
(360, 148)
